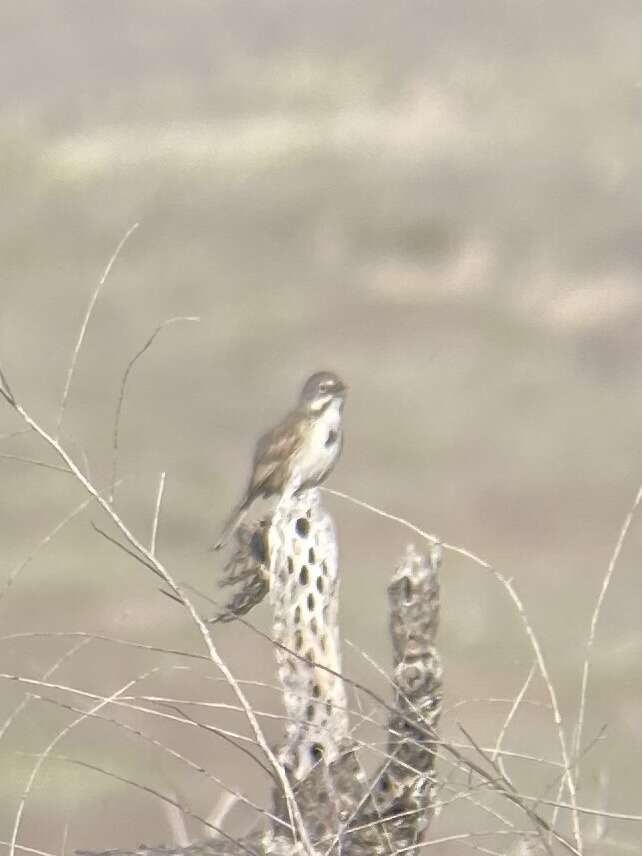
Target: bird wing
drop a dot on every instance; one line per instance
(274, 451)
(271, 467)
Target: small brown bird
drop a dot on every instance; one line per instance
(301, 451)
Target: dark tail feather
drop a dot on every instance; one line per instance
(232, 525)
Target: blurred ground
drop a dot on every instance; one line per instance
(441, 201)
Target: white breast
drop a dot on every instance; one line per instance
(317, 455)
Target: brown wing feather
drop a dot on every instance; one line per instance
(272, 460)
(273, 456)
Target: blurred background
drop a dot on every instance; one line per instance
(440, 201)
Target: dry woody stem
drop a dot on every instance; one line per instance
(292, 559)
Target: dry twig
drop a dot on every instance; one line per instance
(160, 569)
(83, 328)
(123, 388)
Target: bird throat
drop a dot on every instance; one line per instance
(321, 405)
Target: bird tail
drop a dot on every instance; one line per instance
(234, 521)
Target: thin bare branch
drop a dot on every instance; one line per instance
(149, 790)
(560, 778)
(125, 549)
(157, 510)
(123, 387)
(222, 808)
(508, 720)
(433, 539)
(493, 700)
(512, 593)
(495, 766)
(83, 328)
(596, 812)
(26, 849)
(11, 434)
(173, 753)
(615, 555)
(176, 823)
(231, 737)
(34, 462)
(468, 796)
(5, 389)
(13, 574)
(81, 634)
(499, 785)
(54, 668)
(461, 836)
(47, 751)
(423, 729)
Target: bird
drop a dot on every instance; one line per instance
(300, 451)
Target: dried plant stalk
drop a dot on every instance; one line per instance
(294, 557)
(399, 808)
(304, 584)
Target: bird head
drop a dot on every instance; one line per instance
(320, 389)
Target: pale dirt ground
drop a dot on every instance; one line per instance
(439, 201)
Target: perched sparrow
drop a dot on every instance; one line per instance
(301, 451)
